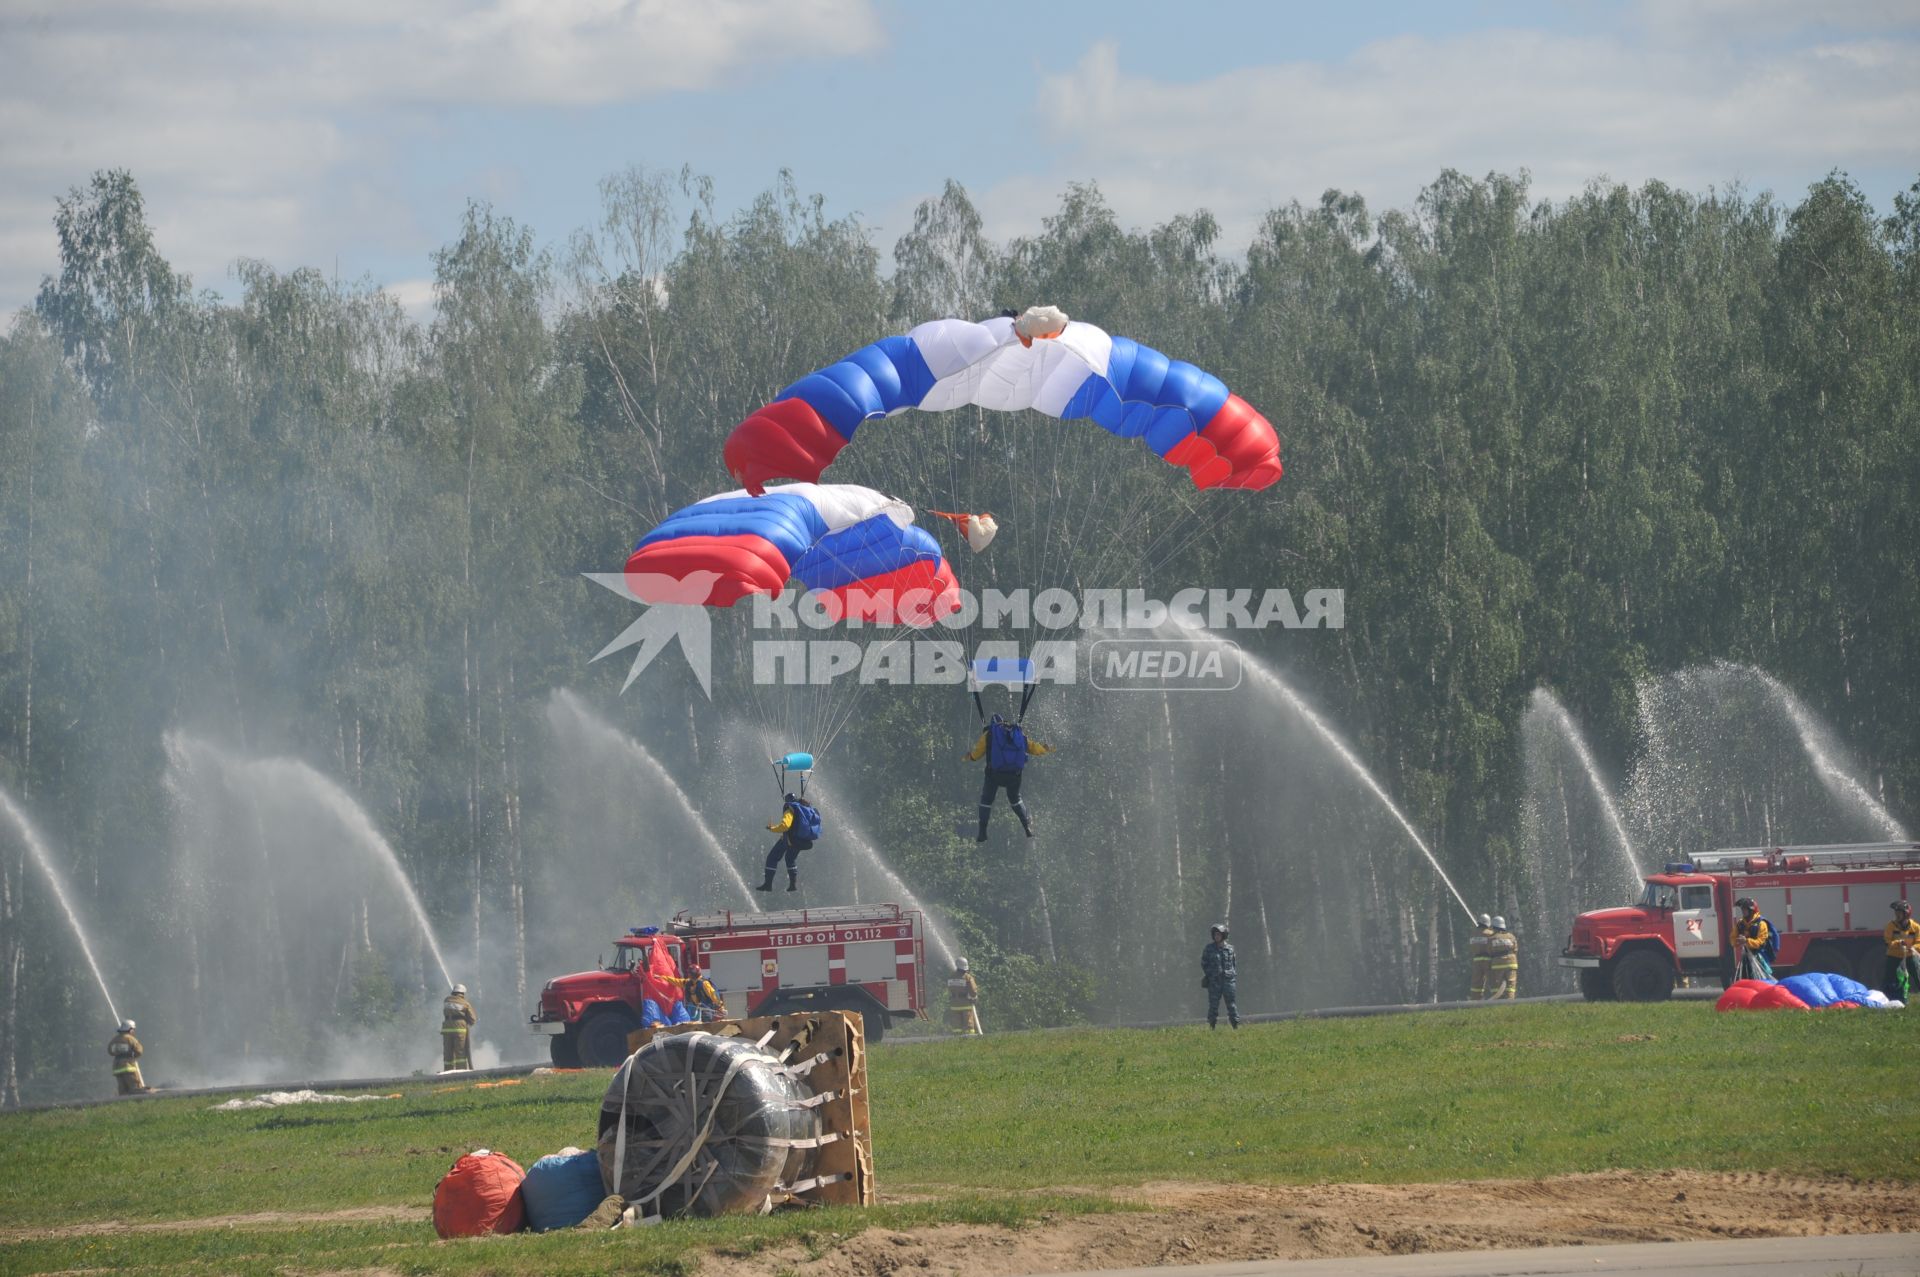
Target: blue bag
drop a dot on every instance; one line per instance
(561, 1189)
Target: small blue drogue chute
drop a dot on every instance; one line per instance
(799, 765)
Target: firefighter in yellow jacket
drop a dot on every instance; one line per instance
(1903, 954)
(125, 1051)
(1503, 963)
(1482, 956)
(963, 996)
(456, 1024)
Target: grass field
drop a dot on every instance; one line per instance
(1502, 1092)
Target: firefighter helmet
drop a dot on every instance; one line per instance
(1486, 920)
(126, 1026)
(1220, 929)
(460, 989)
(960, 964)
(1499, 924)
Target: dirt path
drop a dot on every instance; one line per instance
(260, 1219)
(1208, 1223)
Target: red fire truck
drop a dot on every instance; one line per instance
(1828, 903)
(865, 958)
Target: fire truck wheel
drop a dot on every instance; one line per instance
(874, 1022)
(565, 1048)
(1595, 986)
(1869, 966)
(603, 1038)
(1830, 958)
(1643, 976)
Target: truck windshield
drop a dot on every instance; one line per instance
(622, 958)
(1658, 895)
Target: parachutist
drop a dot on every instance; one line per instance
(798, 826)
(1006, 748)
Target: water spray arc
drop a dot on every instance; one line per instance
(568, 706)
(1556, 713)
(186, 753)
(844, 828)
(37, 849)
(1820, 750)
(1272, 682)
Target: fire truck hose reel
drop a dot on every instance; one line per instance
(699, 1124)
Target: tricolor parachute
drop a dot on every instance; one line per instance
(857, 550)
(1042, 361)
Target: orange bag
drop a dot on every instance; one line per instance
(480, 1195)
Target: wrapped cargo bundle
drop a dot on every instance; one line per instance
(696, 1124)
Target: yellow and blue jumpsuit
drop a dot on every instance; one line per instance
(1749, 939)
(997, 780)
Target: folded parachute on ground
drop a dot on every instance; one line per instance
(1041, 361)
(1813, 991)
(857, 550)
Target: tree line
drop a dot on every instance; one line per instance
(1568, 443)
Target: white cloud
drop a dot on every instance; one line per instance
(260, 128)
(1684, 101)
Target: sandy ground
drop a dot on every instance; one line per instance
(1208, 1223)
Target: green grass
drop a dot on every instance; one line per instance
(1510, 1091)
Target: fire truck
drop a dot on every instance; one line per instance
(865, 958)
(1828, 904)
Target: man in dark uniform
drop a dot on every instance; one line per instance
(1220, 978)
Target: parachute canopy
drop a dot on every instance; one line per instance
(1185, 415)
(857, 550)
(978, 529)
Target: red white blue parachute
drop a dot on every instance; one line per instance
(858, 551)
(1041, 361)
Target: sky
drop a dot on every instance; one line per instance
(349, 135)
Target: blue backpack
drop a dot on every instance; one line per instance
(806, 822)
(1771, 948)
(1006, 747)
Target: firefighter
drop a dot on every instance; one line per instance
(1503, 963)
(963, 997)
(798, 826)
(456, 1023)
(1220, 978)
(704, 1000)
(1903, 954)
(1755, 942)
(125, 1051)
(1006, 749)
(1477, 949)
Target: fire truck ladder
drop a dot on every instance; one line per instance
(833, 914)
(1838, 855)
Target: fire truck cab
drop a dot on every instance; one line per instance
(865, 958)
(1828, 904)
